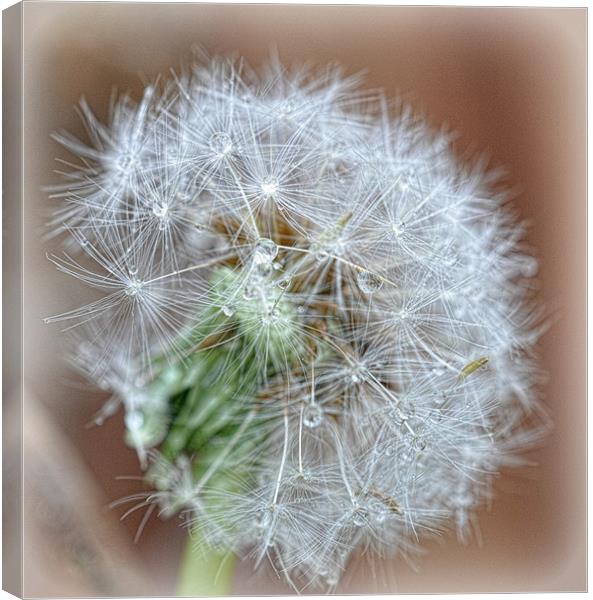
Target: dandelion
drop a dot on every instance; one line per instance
(318, 324)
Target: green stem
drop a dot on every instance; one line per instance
(204, 570)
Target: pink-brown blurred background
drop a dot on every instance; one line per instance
(511, 82)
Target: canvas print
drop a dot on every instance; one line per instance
(293, 311)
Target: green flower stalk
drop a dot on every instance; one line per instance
(317, 323)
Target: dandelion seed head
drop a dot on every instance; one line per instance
(318, 323)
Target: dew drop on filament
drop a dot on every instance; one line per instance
(284, 283)
(312, 416)
(360, 516)
(264, 518)
(249, 293)
(369, 282)
(266, 251)
(220, 143)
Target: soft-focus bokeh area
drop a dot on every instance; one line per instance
(511, 82)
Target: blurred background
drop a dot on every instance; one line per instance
(510, 82)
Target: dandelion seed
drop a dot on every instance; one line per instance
(474, 365)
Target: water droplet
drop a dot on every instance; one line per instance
(418, 444)
(126, 163)
(369, 282)
(47, 320)
(266, 251)
(313, 416)
(264, 518)
(358, 373)
(133, 269)
(360, 516)
(220, 143)
(300, 309)
(249, 292)
(284, 109)
(284, 283)
(83, 241)
(227, 310)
